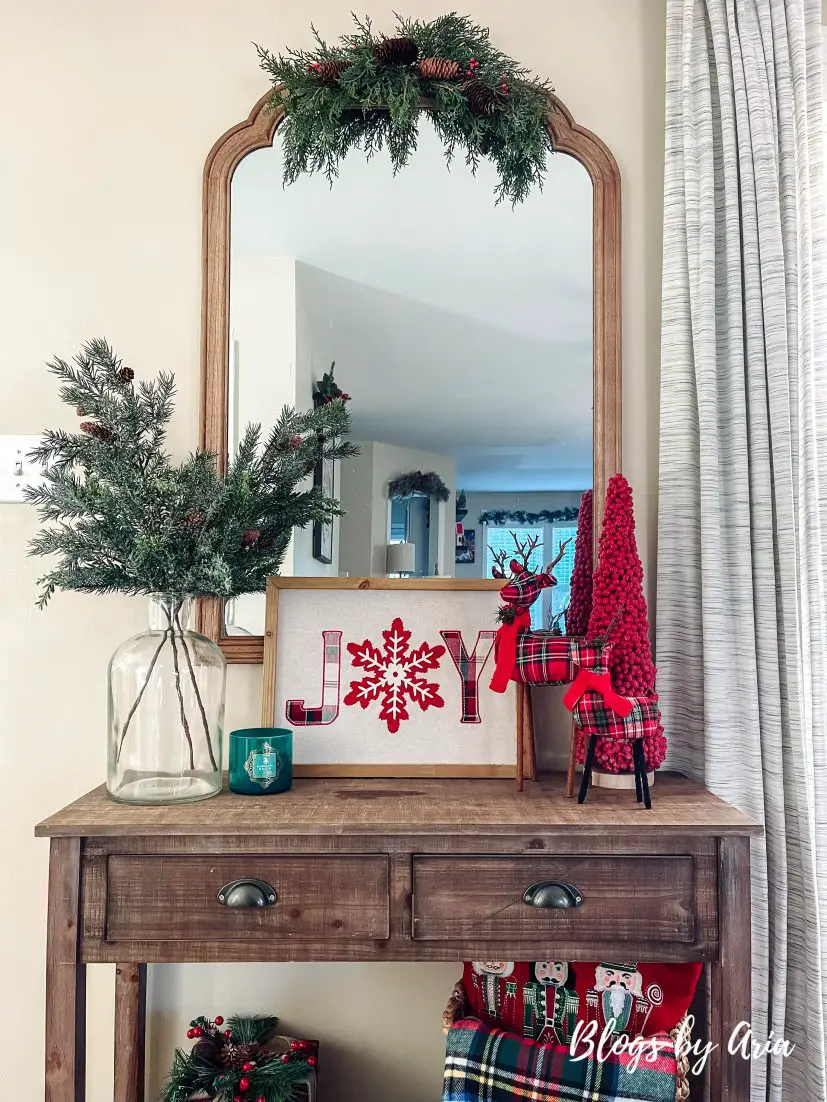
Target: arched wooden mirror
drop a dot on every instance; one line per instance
(479, 343)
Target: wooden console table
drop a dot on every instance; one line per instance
(376, 870)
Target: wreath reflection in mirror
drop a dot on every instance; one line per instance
(366, 93)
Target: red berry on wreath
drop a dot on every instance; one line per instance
(296, 1045)
(198, 1031)
(219, 1020)
(228, 1033)
(248, 1066)
(244, 1083)
(311, 1060)
(191, 1033)
(261, 1098)
(285, 1057)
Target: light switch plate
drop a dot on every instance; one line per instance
(16, 469)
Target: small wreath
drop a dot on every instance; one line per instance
(417, 484)
(366, 93)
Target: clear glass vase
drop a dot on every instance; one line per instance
(166, 711)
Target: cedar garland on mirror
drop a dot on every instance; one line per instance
(364, 93)
(257, 132)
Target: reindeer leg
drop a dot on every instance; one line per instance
(520, 743)
(638, 786)
(587, 769)
(530, 749)
(644, 780)
(572, 762)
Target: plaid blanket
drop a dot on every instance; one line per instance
(483, 1064)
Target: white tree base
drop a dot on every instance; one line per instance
(617, 780)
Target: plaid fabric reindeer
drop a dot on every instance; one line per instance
(543, 657)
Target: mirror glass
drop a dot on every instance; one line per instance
(461, 330)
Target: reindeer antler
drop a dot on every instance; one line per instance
(526, 548)
(561, 550)
(555, 621)
(498, 569)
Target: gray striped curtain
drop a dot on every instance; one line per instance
(741, 619)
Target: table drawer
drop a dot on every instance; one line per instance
(316, 897)
(624, 899)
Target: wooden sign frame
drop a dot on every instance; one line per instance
(525, 764)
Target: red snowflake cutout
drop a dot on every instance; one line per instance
(396, 674)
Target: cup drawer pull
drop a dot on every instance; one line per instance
(247, 893)
(552, 895)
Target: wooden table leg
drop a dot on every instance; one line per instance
(731, 974)
(65, 978)
(130, 1032)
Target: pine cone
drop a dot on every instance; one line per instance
(439, 68)
(396, 51)
(126, 375)
(250, 537)
(328, 72)
(100, 432)
(482, 100)
(234, 1056)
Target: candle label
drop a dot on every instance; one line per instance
(263, 766)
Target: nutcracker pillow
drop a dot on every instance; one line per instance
(638, 1000)
(535, 999)
(544, 1000)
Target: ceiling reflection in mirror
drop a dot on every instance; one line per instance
(462, 332)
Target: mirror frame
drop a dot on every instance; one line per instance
(257, 132)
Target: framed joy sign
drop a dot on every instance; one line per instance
(387, 677)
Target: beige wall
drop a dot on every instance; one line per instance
(108, 110)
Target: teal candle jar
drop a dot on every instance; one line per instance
(261, 761)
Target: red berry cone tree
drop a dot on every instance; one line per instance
(580, 599)
(618, 580)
